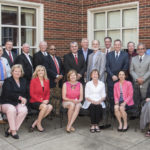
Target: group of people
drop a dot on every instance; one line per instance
(90, 77)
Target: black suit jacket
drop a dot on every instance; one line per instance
(28, 69)
(113, 67)
(11, 91)
(52, 71)
(8, 58)
(70, 63)
(38, 59)
(89, 52)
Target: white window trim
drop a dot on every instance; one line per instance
(39, 19)
(92, 11)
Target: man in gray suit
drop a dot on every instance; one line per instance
(140, 72)
(97, 60)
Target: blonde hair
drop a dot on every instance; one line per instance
(39, 67)
(69, 74)
(17, 66)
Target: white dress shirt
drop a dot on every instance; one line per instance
(94, 93)
(27, 56)
(117, 53)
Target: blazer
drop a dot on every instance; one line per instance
(38, 59)
(127, 92)
(8, 70)
(104, 50)
(37, 94)
(14, 55)
(100, 64)
(52, 71)
(80, 51)
(148, 91)
(27, 67)
(11, 91)
(141, 69)
(70, 63)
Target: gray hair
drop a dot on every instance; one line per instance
(96, 41)
(141, 44)
(42, 42)
(25, 44)
(84, 39)
(71, 43)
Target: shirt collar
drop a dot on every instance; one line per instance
(26, 54)
(141, 56)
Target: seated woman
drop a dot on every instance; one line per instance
(13, 99)
(72, 94)
(39, 96)
(145, 113)
(123, 97)
(95, 95)
(4, 73)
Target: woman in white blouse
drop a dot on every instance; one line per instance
(95, 95)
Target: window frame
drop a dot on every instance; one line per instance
(39, 21)
(92, 11)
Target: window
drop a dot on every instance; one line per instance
(19, 23)
(117, 21)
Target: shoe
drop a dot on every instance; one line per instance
(147, 133)
(31, 129)
(72, 129)
(7, 133)
(124, 130)
(120, 130)
(15, 136)
(39, 130)
(68, 131)
(97, 129)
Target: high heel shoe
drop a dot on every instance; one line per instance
(31, 129)
(15, 136)
(124, 130)
(7, 133)
(39, 130)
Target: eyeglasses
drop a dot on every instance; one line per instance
(141, 48)
(52, 48)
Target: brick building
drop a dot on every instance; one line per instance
(61, 21)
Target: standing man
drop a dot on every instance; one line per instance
(97, 60)
(108, 48)
(74, 60)
(116, 61)
(9, 54)
(140, 72)
(54, 67)
(26, 61)
(39, 57)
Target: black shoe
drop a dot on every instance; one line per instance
(7, 133)
(120, 130)
(124, 130)
(31, 129)
(16, 136)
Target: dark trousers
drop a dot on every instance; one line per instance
(95, 113)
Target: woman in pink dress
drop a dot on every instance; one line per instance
(72, 94)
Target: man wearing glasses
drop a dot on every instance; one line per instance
(140, 72)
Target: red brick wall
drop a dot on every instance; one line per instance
(66, 20)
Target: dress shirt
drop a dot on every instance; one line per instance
(94, 93)
(117, 53)
(44, 53)
(27, 56)
(85, 52)
(10, 54)
(55, 59)
(75, 55)
(141, 56)
(107, 50)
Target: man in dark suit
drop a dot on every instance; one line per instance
(54, 67)
(26, 61)
(9, 54)
(116, 61)
(74, 60)
(39, 57)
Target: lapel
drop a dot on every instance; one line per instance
(53, 63)
(91, 59)
(113, 56)
(97, 57)
(72, 58)
(25, 58)
(40, 86)
(121, 53)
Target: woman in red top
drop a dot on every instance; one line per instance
(40, 93)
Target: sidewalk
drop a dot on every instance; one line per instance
(81, 139)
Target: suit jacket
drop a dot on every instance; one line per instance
(113, 67)
(80, 51)
(142, 69)
(148, 91)
(127, 90)
(38, 59)
(37, 94)
(5, 62)
(70, 63)
(100, 64)
(52, 71)
(8, 58)
(27, 67)
(11, 91)
(104, 50)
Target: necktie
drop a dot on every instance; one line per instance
(76, 59)
(2, 71)
(10, 57)
(57, 67)
(117, 56)
(140, 59)
(107, 51)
